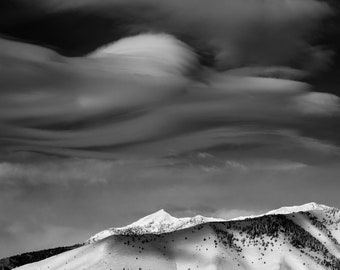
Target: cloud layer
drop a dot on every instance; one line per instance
(125, 96)
(233, 33)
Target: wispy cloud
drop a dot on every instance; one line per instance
(236, 213)
(237, 33)
(103, 106)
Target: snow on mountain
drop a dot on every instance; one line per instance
(156, 223)
(290, 238)
(312, 206)
(162, 222)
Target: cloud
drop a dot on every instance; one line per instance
(279, 72)
(318, 104)
(54, 172)
(159, 54)
(135, 101)
(19, 237)
(235, 213)
(237, 33)
(264, 165)
(236, 165)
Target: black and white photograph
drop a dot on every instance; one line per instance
(170, 135)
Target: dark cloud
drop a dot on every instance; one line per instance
(128, 95)
(234, 33)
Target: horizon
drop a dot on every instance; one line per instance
(110, 110)
(314, 204)
(218, 219)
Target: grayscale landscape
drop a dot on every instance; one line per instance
(190, 120)
(300, 237)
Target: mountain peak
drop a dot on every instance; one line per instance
(155, 223)
(312, 206)
(162, 222)
(160, 212)
(308, 240)
(160, 216)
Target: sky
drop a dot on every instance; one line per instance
(111, 110)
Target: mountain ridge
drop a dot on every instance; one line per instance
(302, 237)
(156, 223)
(161, 221)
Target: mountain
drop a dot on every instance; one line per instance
(162, 222)
(30, 257)
(156, 223)
(301, 208)
(290, 238)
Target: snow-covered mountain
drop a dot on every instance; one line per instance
(162, 222)
(156, 223)
(300, 208)
(302, 237)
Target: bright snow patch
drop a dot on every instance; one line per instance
(156, 223)
(301, 208)
(162, 222)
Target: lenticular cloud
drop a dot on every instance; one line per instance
(136, 96)
(150, 54)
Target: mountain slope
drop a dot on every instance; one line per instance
(296, 240)
(156, 223)
(31, 257)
